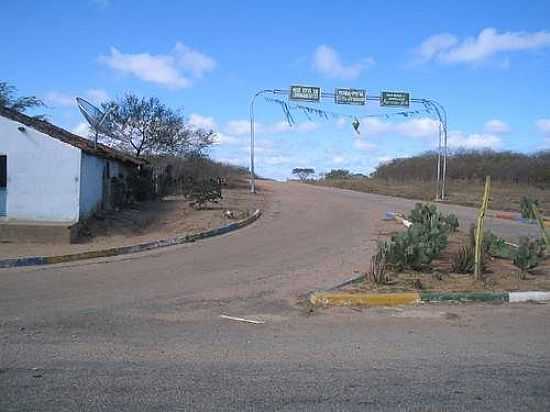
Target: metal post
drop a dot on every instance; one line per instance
(445, 154)
(442, 130)
(252, 179)
(252, 138)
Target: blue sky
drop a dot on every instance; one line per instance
(487, 62)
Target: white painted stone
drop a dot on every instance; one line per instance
(528, 296)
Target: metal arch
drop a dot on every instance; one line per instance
(443, 148)
(252, 136)
(438, 108)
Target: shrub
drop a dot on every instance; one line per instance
(529, 254)
(452, 223)
(526, 207)
(464, 260)
(378, 264)
(140, 184)
(205, 191)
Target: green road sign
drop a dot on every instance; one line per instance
(350, 96)
(305, 93)
(394, 99)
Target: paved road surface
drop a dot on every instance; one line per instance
(143, 332)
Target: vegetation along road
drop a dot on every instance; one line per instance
(143, 331)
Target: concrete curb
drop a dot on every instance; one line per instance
(392, 299)
(124, 250)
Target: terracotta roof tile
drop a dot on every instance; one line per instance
(65, 136)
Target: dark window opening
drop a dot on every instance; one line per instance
(3, 171)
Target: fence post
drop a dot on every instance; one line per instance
(480, 228)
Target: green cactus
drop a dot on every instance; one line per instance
(529, 253)
(526, 207)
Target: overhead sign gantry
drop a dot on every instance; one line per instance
(386, 99)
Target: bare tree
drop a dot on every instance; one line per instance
(148, 127)
(9, 99)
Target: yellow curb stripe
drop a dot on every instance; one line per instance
(352, 299)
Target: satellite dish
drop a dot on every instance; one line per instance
(97, 119)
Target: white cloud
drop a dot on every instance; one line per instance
(544, 127)
(173, 70)
(342, 122)
(338, 159)
(326, 61)
(194, 61)
(238, 127)
(384, 159)
(305, 127)
(458, 139)
(446, 48)
(276, 160)
(420, 127)
(95, 96)
(224, 139)
(60, 99)
(242, 127)
(434, 45)
(363, 145)
(496, 127)
(82, 129)
(202, 122)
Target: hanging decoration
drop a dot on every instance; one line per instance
(356, 125)
(327, 114)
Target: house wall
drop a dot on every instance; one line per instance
(91, 184)
(42, 175)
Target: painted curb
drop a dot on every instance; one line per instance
(463, 297)
(529, 296)
(360, 299)
(392, 299)
(124, 250)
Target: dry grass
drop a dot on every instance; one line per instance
(504, 196)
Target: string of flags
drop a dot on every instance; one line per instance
(327, 114)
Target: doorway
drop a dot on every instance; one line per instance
(3, 184)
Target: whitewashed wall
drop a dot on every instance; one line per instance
(91, 184)
(43, 175)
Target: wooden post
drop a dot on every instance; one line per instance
(480, 228)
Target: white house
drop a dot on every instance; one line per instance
(51, 176)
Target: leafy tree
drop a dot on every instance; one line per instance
(303, 173)
(148, 127)
(9, 99)
(338, 174)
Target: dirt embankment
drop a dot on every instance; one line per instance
(146, 221)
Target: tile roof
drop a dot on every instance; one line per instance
(65, 136)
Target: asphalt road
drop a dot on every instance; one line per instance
(142, 332)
